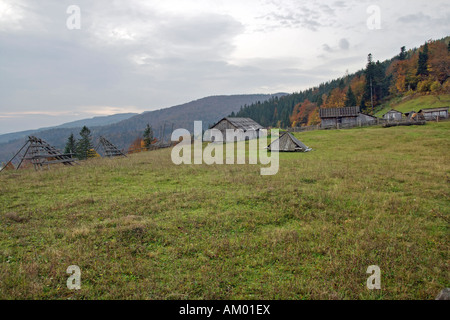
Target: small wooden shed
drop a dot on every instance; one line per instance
(366, 119)
(434, 113)
(246, 129)
(288, 143)
(393, 115)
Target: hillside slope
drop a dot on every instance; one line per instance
(96, 121)
(408, 104)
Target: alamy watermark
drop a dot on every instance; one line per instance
(374, 281)
(73, 22)
(226, 147)
(74, 281)
(374, 20)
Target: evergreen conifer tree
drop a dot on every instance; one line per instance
(148, 136)
(422, 68)
(71, 145)
(84, 145)
(350, 99)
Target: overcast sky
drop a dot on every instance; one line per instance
(136, 55)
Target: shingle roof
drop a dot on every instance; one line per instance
(434, 109)
(339, 112)
(244, 123)
(393, 111)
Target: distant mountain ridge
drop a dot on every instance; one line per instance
(90, 122)
(124, 132)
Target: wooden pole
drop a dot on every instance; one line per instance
(15, 156)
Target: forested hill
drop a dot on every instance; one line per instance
(421, 71)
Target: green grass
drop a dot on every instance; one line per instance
(416, 104)
(143, 228)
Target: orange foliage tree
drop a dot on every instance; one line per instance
(301, 113)
(439, 61)
(336, 99)
(137, 146)
(314, 117)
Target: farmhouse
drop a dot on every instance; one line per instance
(344, 117)
(393, 115)
(288, 143)
(434, 113)
(248, 129)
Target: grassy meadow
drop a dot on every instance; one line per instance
(144, 228)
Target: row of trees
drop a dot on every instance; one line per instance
(144, 143)
(83, 148)
(424, 70)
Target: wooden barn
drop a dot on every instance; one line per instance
(345, 117)
(288, 143)
(434, 113)
(248, 129)
(393, 115)
(332, 117)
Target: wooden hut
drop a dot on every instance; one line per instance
(366, 119)
(246, 129)
(393, 115)
(288, 143)
(334, 117)
(434, 113)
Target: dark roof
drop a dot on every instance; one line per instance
(410, 112)
(393, 111)
(434, 109)
(339, 112)
(245, 124)
(299, 146)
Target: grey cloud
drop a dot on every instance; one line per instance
(58, 69)
(414, 18)
(327, 48)
(344, 44)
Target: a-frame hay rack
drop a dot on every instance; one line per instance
(40, 153)
(109, 149)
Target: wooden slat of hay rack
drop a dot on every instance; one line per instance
(40, 153)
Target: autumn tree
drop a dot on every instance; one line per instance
(358, 84)
(439, 62)
(137, 146)
(336, 99)
(314, 117)
(301, 113)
